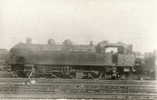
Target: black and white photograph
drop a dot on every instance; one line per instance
(78, 49)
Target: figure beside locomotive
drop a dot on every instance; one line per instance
(104, 61)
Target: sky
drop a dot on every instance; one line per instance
(130, 21)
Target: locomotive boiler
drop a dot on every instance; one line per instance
(103, 60)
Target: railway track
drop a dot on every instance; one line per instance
(58, 88)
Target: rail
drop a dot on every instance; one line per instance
(68, 88)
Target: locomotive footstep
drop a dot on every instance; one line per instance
(30, 82)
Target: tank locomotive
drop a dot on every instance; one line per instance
(73, 61)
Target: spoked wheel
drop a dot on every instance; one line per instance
(19, 74)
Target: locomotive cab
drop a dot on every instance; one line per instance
(119, 58)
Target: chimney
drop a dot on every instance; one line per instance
(91, 43)
(28, 41)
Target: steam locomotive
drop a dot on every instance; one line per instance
(104, 61)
